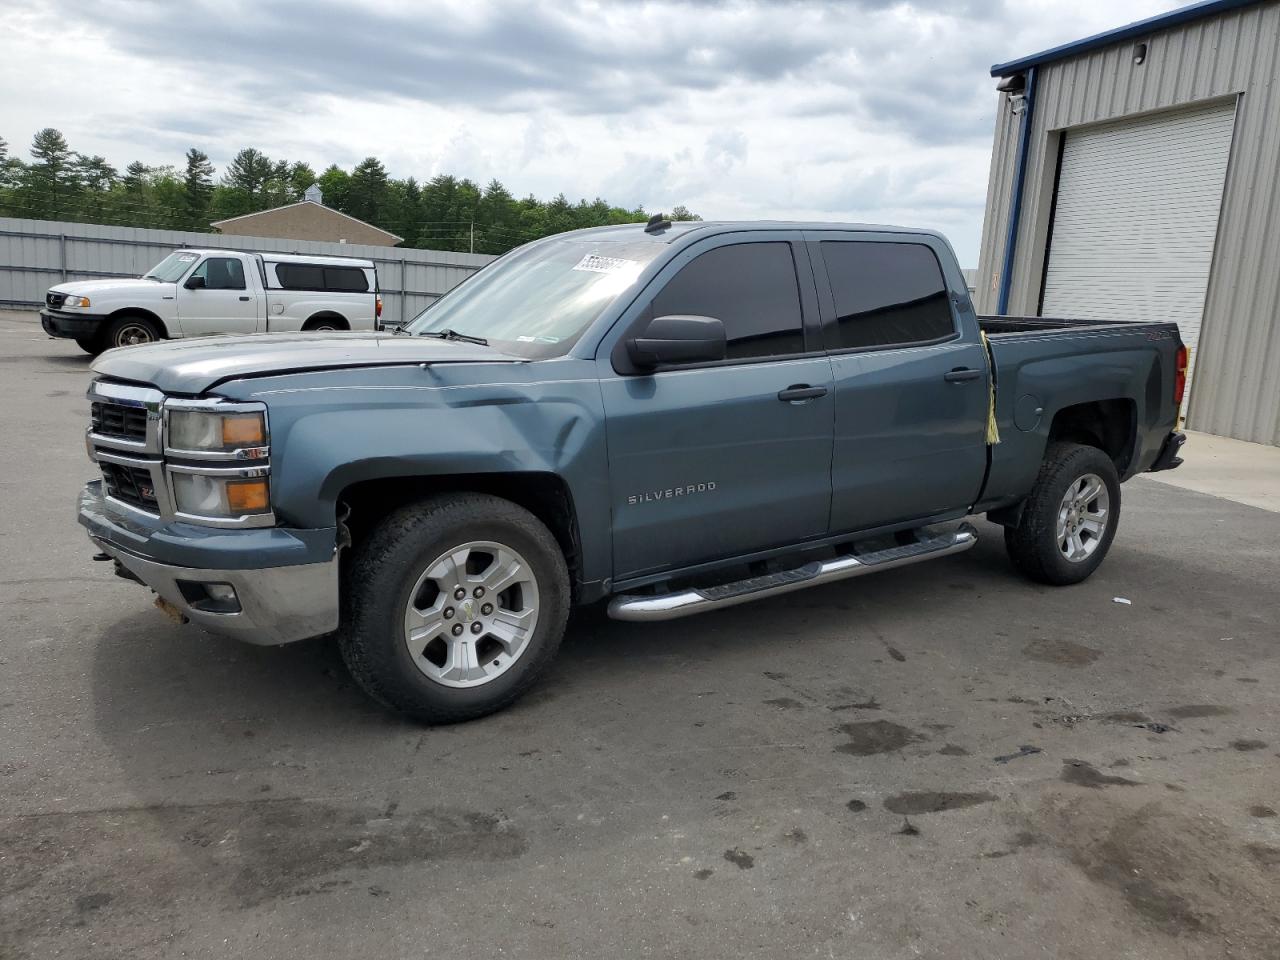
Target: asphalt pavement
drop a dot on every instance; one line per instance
(939, 761)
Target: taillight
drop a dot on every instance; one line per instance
(377, 309)
(1180, 376)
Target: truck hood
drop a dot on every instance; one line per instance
(87, 288)
(193, 366)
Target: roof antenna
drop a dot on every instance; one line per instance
(657, 223)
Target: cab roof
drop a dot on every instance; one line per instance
(682, 229)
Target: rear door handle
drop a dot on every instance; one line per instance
(961, 374)
(245, 299)
(799, 392)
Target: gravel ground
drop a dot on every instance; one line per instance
(940, 761)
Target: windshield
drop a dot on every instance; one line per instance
(536, 303)
(172, 267)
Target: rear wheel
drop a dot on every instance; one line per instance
(129, 331)
(1069, 520)
(320, 324)
(453, 606)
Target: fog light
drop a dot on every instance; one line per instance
(210, 597)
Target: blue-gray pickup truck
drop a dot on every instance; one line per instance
(675, 418)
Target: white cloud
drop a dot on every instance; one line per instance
(873, 111)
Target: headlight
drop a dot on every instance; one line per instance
(76, 302)
(203, 431)
(218, 496)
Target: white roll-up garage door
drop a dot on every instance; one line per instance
(1136, 216)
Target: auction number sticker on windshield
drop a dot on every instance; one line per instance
(597, 264)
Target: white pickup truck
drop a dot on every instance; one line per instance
(198, 293)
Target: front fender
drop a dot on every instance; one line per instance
(330, 431)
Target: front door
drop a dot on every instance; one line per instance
(911, 382)
(225, 304)
(719, 460)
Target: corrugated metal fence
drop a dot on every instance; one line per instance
(36, 254)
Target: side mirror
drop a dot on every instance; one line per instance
(195, 283)
(678, 338)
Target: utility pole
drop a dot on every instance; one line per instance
(473, 236)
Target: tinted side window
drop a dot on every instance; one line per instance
(346, 279)
(886, 293)
(300, 276)
(221, 273)
(751, 288)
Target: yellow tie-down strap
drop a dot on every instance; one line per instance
(993, 431)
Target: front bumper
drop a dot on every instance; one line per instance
(279, 603)
(1168, 458)
(59, 323)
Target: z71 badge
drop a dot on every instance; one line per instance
(672, 492)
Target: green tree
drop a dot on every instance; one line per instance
(197, 189)
(681, 212)
(49, 183)
(334, 183)
(367, 191)
(300, 177)
(250, 171)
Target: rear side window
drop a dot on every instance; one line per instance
(309, 276)
(749, 287)
(348, 279)
(886, 293)
(300, 276)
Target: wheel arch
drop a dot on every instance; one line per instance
(1110, 425)
(546, 495)
(138, 312)
(322, 315)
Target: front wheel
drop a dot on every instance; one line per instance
(453, 606)
(1069, 519)
(130, 331)
(91, 344)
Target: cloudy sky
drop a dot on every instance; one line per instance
(867, 110)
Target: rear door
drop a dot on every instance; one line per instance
(228, 302)
(714, 460)
(911, 380)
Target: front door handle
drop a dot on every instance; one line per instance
(799, 392)
(245, 299)
(961, 374)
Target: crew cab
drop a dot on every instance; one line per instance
(198, 293)
(670, 418)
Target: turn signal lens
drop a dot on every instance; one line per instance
(243, 431)
(247, 496)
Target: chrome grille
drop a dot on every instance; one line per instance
(118, 420)
(131, 485)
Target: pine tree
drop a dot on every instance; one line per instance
(197, 189)
(367, 191)
(249, 172)
(135, 178)
(49, 182)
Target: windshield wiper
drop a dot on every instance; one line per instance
(454, 335)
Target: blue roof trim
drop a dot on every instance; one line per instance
(1132, 31)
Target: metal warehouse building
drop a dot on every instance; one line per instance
(1136, 175)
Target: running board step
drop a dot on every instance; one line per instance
(685, 603)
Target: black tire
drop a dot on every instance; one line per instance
(386, 566)
(129, 330)
(1033, 544)
(91, 344)
(324, 324)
